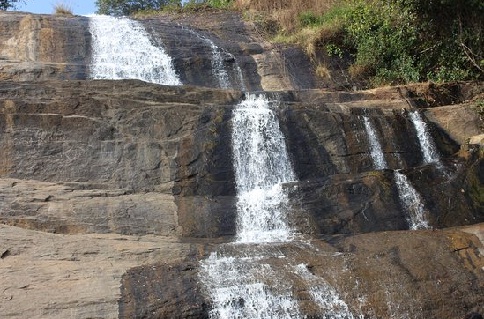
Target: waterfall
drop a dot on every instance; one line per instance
(243, 278)
(427, 146)
(324, 295)
(261, 164)
(218, 63)
(249, 278)
(246, 286)
(218, 68)
(122, 49)
(411, 201)
(376, 152)
(239, 285)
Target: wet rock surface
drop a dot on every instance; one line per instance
(112, 192)
(421, 274)
(98, 158)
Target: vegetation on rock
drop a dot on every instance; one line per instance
(8, 4)
(62, 9)
(125, 8)
(388, 42)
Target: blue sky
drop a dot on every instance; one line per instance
(79, 7)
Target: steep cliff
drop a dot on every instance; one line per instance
(113, 191)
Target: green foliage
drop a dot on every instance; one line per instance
(9, 4)
(130, 7)
(219, 4)
(405, 41)
(308, 18)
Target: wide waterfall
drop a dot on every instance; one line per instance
(261, 165)
(376, 151)
(427, 146)
(238, 285)
(251, 278)
(122, 49)
(412, 202)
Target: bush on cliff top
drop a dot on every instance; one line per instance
(388, 42)
(128, 7)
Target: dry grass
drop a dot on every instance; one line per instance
(284, 11)
(61, 8)
(323, 72)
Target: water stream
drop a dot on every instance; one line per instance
(218, 63)
(122, 49)
(261, 164)
(427, 146)
(376, 151)
(251, 277)
(409, 197)
(241, 287)
(411, 202)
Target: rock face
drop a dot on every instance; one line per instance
(380, 275)
(112, 192)
(37, 47)
(72, 276)
(41, 47)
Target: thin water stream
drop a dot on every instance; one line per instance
(411, 202)
(376, 151)
(427, 146)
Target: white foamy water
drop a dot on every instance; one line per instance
(247, 287)
(324, 295)
(238, 289)
(412, 202)
(427, 146)
(376, 152)
(248, 278)
(218, 64)
(122, 49)
(261, 165)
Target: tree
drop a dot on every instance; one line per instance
(8, 4)
(127, 7)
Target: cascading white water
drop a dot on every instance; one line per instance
(218, 66)
(376, 151)
(218, 63)
(240, 76)
(324, 295)
(427, 146)
(412, 202)
(261, 165)
(246, 287)
(244, 278)
(121, 49)
(238, 285)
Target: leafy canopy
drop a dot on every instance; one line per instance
(127, 7)
(8, 4)
(403, 41)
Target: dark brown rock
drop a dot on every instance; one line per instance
(162, 291)
(88, 164)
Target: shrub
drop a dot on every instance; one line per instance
(62, 9)
(404, 41)
(388, 42)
